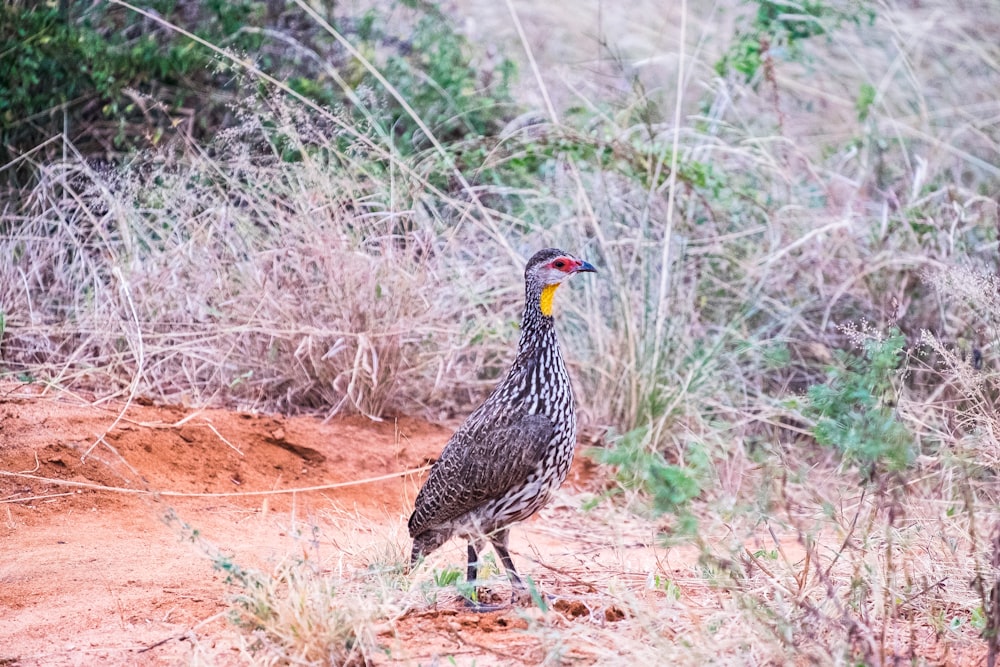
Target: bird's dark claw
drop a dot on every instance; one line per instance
(482, 607)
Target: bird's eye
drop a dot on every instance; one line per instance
(559, 264)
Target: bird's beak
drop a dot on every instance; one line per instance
(585, 267)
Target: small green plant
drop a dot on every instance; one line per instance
(447, 577)
(854, 409)
(866, 98)
(669, 587)
(977, 619)
(671, 486)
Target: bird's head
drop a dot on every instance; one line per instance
(546, 270)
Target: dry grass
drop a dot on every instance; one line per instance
(845, 586)
(327, 284)
(736, 227)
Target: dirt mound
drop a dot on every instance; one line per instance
(173, 450)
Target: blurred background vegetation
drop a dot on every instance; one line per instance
(325, 207)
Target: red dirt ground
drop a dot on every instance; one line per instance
(92, 576)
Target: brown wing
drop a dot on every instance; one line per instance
(481, 461)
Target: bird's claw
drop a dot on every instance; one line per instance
(481, 607)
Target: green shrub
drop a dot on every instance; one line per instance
(854, 409)
(670, 486)
(437, 79)
(119, 80)
(76, 70)
(780, 26)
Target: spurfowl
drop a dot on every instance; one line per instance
(515, 449)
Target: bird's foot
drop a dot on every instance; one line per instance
(481, 600)
(475, 602)
(482, 607)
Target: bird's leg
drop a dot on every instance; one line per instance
(472, 575)
(520, 591)
(499, 540)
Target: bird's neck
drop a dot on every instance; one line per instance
(537, 325)
(539, 361)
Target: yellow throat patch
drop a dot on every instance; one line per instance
(545, 303)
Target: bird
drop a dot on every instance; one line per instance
(513, 451)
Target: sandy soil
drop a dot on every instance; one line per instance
(92, 576)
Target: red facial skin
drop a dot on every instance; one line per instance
(565, 264)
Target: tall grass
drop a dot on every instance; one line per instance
(309, 284)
